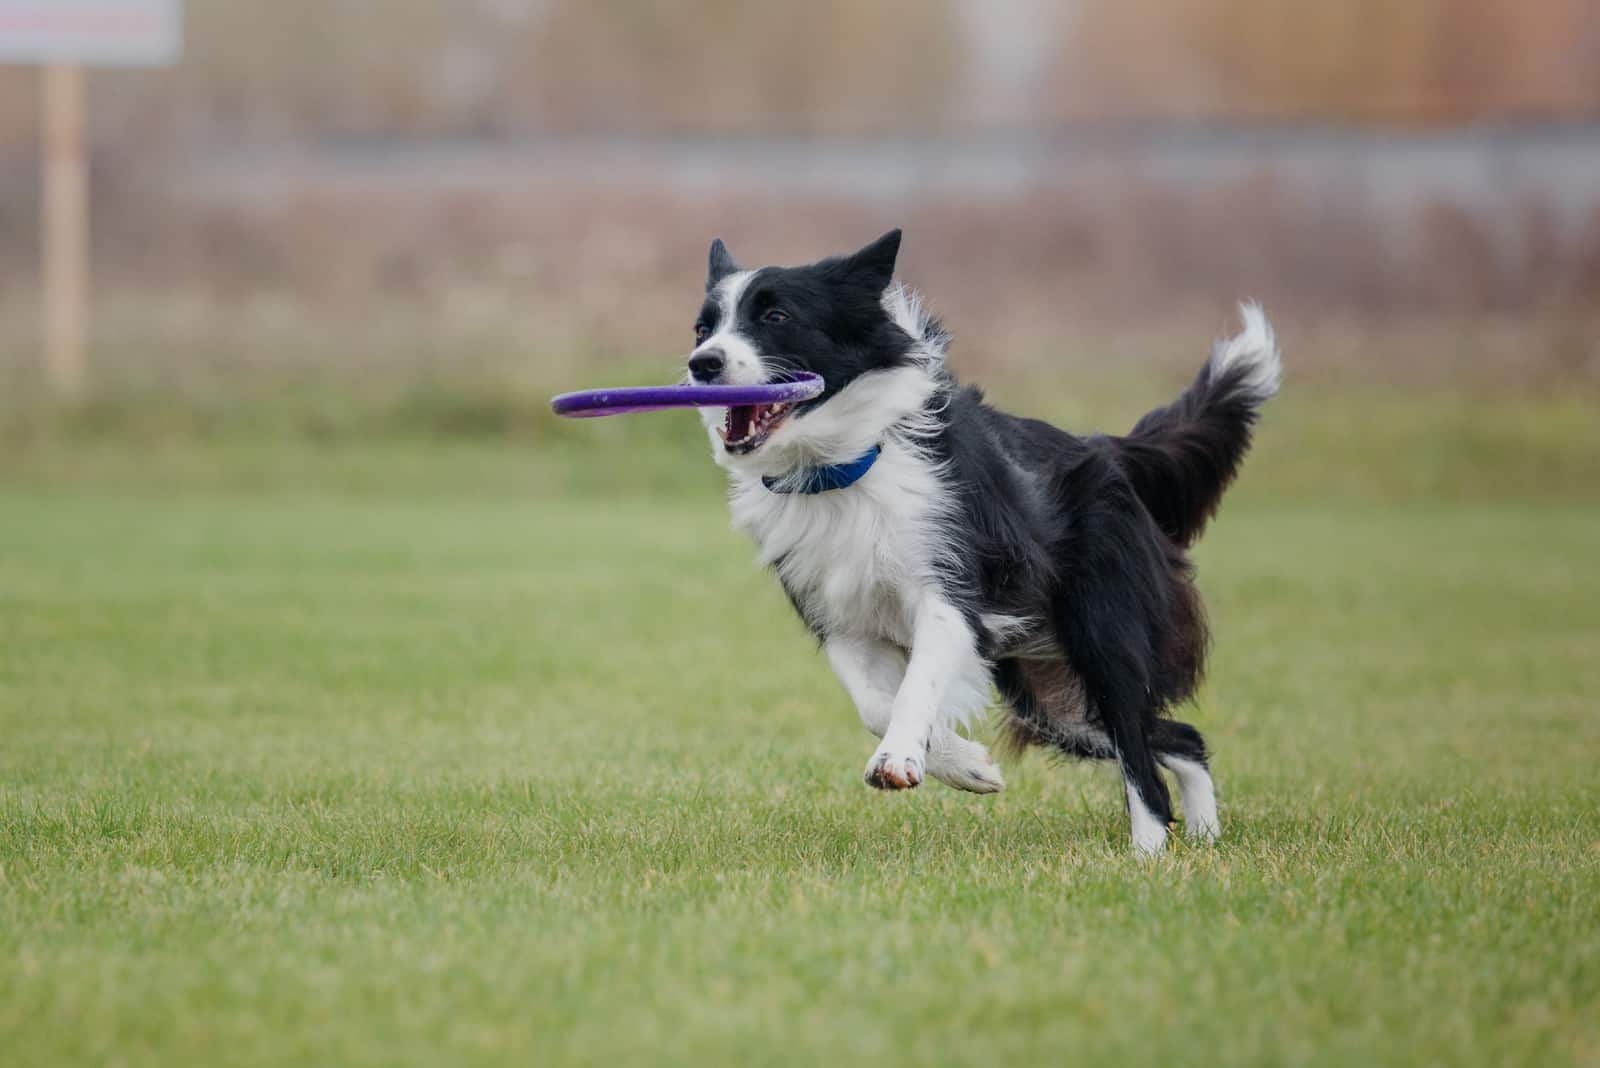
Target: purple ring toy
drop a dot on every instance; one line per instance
(588, 403)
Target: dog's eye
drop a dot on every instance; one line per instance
(775, 315)
(701, 332)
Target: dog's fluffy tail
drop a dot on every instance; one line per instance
(1180, 458)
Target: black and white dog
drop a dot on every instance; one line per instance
(941, 549)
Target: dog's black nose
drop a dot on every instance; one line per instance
(704, 366)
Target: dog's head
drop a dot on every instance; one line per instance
(840, 318)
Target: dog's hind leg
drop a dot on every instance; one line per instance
(872, 672)
(1114, 683)
(1182, 751)
(1111, 612)
(1124, 712)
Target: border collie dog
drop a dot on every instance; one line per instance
(942, 550)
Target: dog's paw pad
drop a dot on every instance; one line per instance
(891, 771)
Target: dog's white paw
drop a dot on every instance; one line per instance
(1199, 798)
(1149, 833)
(965, 765)
(1149, 838)
(974, 778)
(890, 770)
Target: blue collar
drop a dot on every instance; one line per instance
(827, 477)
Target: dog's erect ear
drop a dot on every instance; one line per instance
(721, 264)
(875, 263)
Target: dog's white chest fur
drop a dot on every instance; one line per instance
(857, 560)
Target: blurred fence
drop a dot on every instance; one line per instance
(556, 165)
(314, 68)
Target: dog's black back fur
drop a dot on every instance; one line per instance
(1084, 536)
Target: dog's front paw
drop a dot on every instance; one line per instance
(889, 770)
(963, 764)
(974, 777)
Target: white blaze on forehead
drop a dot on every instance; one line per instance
(728, 292)
(743, 364)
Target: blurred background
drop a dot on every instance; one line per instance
(355, 709)
(345, 215)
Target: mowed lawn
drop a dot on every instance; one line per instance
(330, 765)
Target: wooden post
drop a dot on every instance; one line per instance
(66, 227)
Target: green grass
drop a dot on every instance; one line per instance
(405, 751)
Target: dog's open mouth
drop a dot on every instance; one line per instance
(748, 426)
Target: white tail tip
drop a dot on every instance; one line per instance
(1253, 348)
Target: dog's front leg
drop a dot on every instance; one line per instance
(872, 671)
(944, 678)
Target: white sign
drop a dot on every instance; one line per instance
(113, 33)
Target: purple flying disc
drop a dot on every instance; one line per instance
(588, 403)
